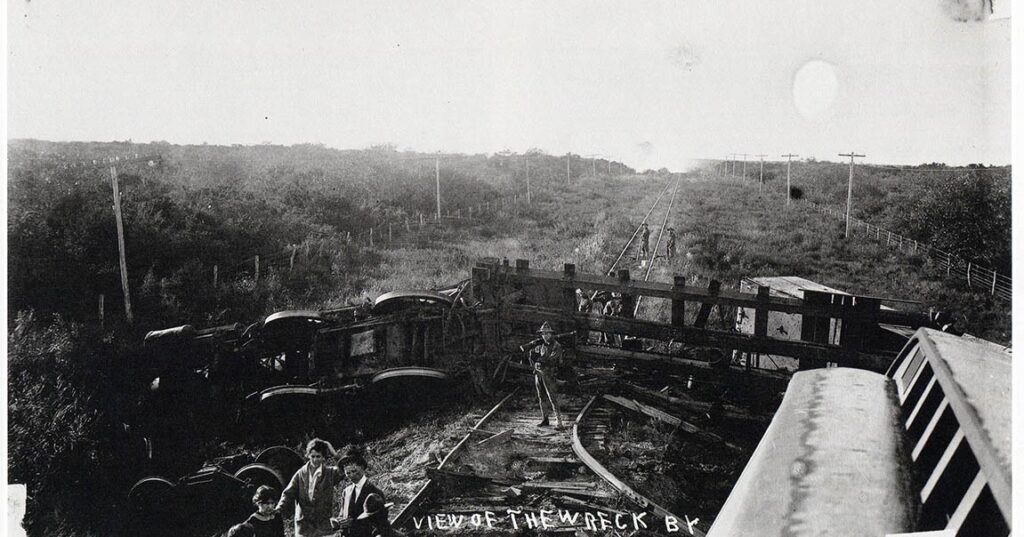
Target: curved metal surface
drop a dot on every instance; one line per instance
(287, 390)
(395, 300)
(834, 451)
(294, 314)
(183, 331)
(603, 473)
(257, 474)
(282, 458)
(162, 483)
(405, 372)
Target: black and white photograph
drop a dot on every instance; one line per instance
(389, 269)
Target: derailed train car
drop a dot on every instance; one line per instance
(299, 358)
(923, 449)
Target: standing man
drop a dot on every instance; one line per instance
(353, 499)
(547, 358)
(311, 491)
(670, 244)
(645, 239)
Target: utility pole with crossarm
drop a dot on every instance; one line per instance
(760, 180)
(849, 189)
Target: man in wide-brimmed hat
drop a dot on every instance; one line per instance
(645, 240)
(547, 358)
(353, 499)
(670, 244)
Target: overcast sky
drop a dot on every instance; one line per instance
(903, 82)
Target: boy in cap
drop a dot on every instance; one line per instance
(547, 358)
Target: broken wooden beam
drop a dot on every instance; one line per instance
(687, 403)
(463, 478)
(714, 287)
(663, 416)
(496, 438)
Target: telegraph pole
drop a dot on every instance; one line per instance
(788, 190)
(120, 243)
(527, 179)
(437, 179)
(760, 181)
(849, 189)
(744, 165)
(568, 168)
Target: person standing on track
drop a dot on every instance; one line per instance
(670, 244)
(645, 239)
(547, 358)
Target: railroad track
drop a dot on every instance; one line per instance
(508, 474)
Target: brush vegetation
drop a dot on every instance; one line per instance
(306, 210)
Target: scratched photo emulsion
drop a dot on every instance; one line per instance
(396, 269)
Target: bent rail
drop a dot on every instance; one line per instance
(603, 473)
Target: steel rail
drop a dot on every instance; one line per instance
(603, 473)
(635, 233)
(403, 516)
(657, 244)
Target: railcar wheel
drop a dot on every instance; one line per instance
(257, 474)
(152, 498)
(284, 459)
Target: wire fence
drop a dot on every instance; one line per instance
(977, 276)
(387, 234)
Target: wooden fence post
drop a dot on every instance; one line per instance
(993, 282)
(968, 274)
(371, 237)
(101, 312)
(215, 276)
(291, 260)
(407, 230)
(257, 269)
(949, 263)
(421, 220)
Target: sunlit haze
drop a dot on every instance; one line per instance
(654, 86)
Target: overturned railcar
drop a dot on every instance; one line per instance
(922, 448)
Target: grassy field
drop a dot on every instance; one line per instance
(725, 229)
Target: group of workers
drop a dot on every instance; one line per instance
(644, 249)
(310, 496)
